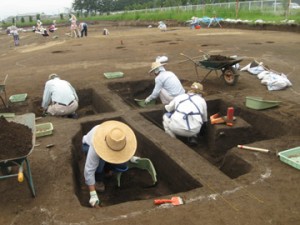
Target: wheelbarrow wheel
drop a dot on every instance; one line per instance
(230, 75)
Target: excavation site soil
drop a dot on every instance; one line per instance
(218, 182)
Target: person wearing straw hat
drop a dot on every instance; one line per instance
(110, 144)
(186, 114)
(59, 98)
(167, 84)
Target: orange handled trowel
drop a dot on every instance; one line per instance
(173, 200)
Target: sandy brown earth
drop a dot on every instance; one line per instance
(220, 184)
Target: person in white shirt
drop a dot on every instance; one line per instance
(111, 143)
(167, 84)
(186, 114)
(59, 98)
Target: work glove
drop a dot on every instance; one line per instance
(147, 100)
(94, 200)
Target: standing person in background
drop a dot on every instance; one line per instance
(83, 28)
(167, 85)
(59, 98)
(74, 28)
(14, 32)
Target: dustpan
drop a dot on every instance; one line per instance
(140, 163)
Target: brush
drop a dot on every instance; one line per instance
(174, 200)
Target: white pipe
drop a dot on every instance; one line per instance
(253, 148)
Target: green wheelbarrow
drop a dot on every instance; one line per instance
(6, 164)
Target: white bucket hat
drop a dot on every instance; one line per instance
(155, 65)
(114, 142)
(52, 76)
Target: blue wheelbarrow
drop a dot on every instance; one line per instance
(6, 164)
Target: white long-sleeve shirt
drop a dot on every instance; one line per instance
(189, 113)
(168, 81)
(92, 159)
(60, 91)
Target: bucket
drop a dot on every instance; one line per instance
(197, 27)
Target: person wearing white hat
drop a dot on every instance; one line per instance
(167, 84)
(111, 143)
(186, 114)
(59, 97)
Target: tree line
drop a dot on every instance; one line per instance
(106, 6)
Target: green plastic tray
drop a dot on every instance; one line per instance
(111, 75)
(18, 97)
(43, 129)
(259, 103)
(141, 102)
(291, 157)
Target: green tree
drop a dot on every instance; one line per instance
(38, 16)
(30, 18)
(61, 16)
(22, 20)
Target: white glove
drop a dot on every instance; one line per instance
(94, 200)
(147, 100)
(134, 159)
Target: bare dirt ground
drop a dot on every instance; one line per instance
(220, 183)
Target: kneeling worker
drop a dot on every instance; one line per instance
(59, 98)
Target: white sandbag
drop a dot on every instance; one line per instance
(161, 59)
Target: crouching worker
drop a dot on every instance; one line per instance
(59, 98)
(167, 84)
(186, 114)
(109, 146)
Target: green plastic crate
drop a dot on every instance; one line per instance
(111, 75)
(291, 157)
(18, 97)
(43, 129)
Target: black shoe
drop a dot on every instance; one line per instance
(192, 141)
(73, 115)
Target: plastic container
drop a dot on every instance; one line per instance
(230, 114)
(259, 103)
(141, 102)
(18, 98)
(111, 75)
(291, 157)
(197, 27)
(43, 129)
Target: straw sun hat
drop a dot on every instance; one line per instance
(114, 142)
(155, 65)
(197, 88)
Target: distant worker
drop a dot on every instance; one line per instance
(59, 98)
(186, 114)
(108, 147)
(167, 85)
(14, 32)
(162, 26)
(83, 28)
(74, 27)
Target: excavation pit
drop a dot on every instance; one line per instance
(129, 91)
(136, 184)
(215, 141)
(91, 103)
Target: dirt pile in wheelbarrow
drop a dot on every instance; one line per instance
(15, 140)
